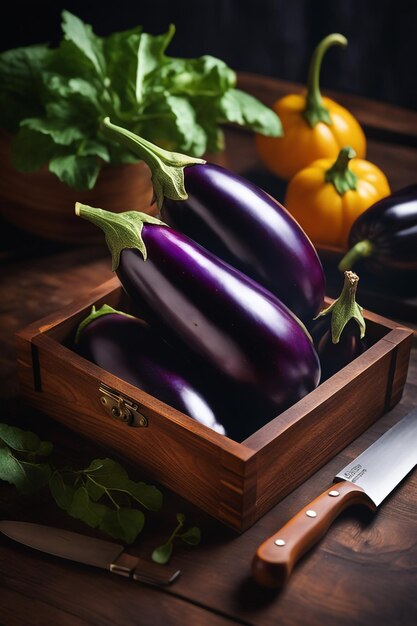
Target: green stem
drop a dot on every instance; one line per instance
(94, 315)
(345, 308)
(174, 533)
(106, 491)
(122, 230)
(315, 111)
(339, 174)
(360, 250)
(167, 167)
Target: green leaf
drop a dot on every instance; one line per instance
(90, 147)
(241, 108)
(163, 553)
(31, 150)
(192, 536)
(82, 36)
(84, 509)
(57, 129)
(205, 76)
(62, 493)
(20, 79)
(78, 95)
(24, 440)
(180, 518)
(106, 474)
(78, 172)
(120, 50)
(124, 524)
(26, 477)
(150, 56)
(176, 126)
(150, 497)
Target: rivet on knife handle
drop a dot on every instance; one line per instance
(276, 557)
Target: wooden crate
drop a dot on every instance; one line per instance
(234, 482)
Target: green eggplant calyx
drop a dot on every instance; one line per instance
(167, 168)
(315, 110)
(339, 174)
(345, 308)
(95, 314)
(360, 250)
(122, 230)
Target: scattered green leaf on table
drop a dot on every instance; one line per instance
(24, 441)
(192, 537)
(26, 477)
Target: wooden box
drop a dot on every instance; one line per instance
(234, 482)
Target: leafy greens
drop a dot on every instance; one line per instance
(53, 100)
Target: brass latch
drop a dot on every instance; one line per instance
(121, 407)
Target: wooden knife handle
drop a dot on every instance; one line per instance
(276, 557)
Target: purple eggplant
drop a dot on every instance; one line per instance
(339, 330)
(239, 332)
(234, 219)
(385, 236)
(129, 348)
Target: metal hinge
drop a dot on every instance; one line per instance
(121, 407)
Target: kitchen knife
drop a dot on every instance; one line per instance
(367, 480)
(88, 550)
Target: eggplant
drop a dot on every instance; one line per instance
(385, 236)
(339, 330)
(238, 331)
(234, 219)
(129, 348)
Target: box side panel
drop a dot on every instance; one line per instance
(189, 464)
(309, 442)
(401, 339)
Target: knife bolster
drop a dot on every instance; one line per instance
(124, 565)
(144, 571)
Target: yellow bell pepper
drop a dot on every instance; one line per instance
(327, 196)
(313, 127)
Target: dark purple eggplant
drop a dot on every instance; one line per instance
(385, 236)
(234, 219)
(129, 348)
(338, 332)
(237, 330)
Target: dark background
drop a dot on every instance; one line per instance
(270, 37)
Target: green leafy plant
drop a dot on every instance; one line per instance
(19, 451)
(192, 537)
(54, 99)
(101, 495)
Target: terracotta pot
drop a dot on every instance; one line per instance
(41, 204)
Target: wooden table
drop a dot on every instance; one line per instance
(363, 572)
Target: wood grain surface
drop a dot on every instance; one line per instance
(363, 572)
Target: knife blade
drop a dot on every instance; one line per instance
(367, 480)
(88, 550)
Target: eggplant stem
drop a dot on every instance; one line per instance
(106, 309)
(345, 308)
(167, 167)
(122, 230)
(360, 250)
